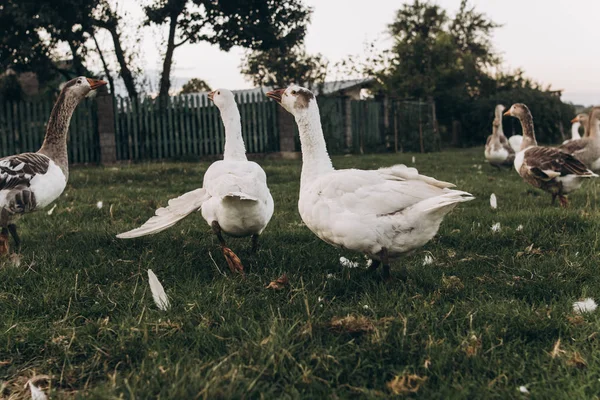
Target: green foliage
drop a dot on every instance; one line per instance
(479, 322)
(195, 85)
(280, 67)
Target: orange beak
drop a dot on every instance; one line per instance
(211, 95)
(275, 94)
(95, 83)
(507, 113)
(576, 119)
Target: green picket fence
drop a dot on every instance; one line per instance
(190, 125)
(23, 126)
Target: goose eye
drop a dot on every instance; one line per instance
(79, 81)
(218, 92)
(293, 92)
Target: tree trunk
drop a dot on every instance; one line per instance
(120, 53)
(165, 79)
(109, 77)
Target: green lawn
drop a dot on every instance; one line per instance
(479, 322)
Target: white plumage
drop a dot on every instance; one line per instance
(515, 142)
(382, 213)
(234, 197)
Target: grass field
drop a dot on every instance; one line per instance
(479, 322)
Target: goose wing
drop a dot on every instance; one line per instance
(547, 163)
(16, 174)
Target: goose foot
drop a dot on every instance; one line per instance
(564, 202)
(233, 261)
(4, 248)
(12, 228)
(554, 198)
(387, 277)
(383, 256)
(254, 243)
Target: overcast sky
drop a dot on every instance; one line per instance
(554, 41)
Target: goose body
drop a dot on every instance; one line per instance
(515, 142)
(31, 181)
(498, 151)
(587, 148)
(382, 213)
(546, 168)
(234, 198)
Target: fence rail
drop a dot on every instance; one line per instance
(190, 126)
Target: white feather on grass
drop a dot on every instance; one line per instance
(50, 211)
(585, 306)
(496, 227)
(519, 228)
(413, 159)
(99, 205)
(493, 202)
(158, 293)
(347, 263)
(36, 393)
(428, 260)
(523, 389)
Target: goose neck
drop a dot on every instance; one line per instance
(528, 131)
(315, 159)
(234, 143)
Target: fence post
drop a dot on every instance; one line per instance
(348, 121)
(106, 126)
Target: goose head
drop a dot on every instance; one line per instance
(499, 109)
(80, 87)
(295, 99)
(581, 118)
(222, 98)
(518, 110)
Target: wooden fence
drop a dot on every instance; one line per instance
(23, 125)
(190, 126)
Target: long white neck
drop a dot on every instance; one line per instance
(315, 159)
(575, 131)
(234, 143)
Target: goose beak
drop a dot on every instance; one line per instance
(211, 95)
(275, 94)
(576, 119)
(507, 113)
(95, 83)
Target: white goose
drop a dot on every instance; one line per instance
(498, 152)
(234, 197)
(31, 181)
(382, 213)
(587, 148)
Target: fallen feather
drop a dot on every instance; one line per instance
(347, 263)
(158, 292)
(50, 211)
(523, 389)
(99, 205)
(428, 260)
(405, 384)
(519, 228)
(493, 202)
(36, 393)
(413, 159)
(587, 305)
(496, 227)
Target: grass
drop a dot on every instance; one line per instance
(479, 322)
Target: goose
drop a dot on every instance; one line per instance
(587, 149)
(234, 197)
(579, 120)
(31, 181)
(498, 151)
(547, 168)
(382, 213)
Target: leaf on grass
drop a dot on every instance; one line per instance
(280, 283)
(158, 292)
(577, 360)
(351, 324)
(452, 283)
(427, 363)
(472, 346)
(556, 350)
(405, 384)
(585, 306)
(576, 320)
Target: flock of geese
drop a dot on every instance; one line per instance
(556, 170)
(381, 213)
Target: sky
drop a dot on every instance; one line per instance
(554, 41)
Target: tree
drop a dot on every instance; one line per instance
(252, 24)
(195, 85)
(279, 67)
